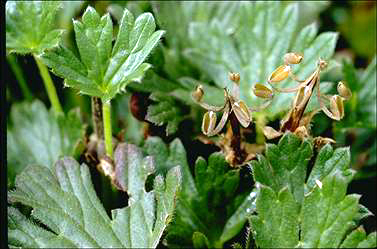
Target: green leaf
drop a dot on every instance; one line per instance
(166, 158)
(327, 212)
(103, 70)
(328, 161)
(264, 34)
(40, 136)
(278, 218)
(80, 220)
(361, 107)
(358, 239)
(30, 26)
(203, 199)
(235, 223)
(360, 119)
(165, 111)
(199, 240)
(25, 232)
(186, 12)
(287, 163)
(323, 215)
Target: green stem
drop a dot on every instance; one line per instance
(19, 76)
(106, 112)
(49, 85)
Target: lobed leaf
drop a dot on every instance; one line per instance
(287, 163)
(203, 199)
(319, 210)
(358, 239)
(103, 70)
(30, 26)
(40, 136)
(165, 111)
(80, 220)
(327, 212)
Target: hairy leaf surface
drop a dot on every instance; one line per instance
(68, 205)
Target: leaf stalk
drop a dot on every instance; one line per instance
(49, 85)
(106, 112)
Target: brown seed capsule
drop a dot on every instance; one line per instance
(281, 73)
(344, 91)
(242, 113)
(209, 122)
(336, 107)
(198, 93)
(262, 91)
(235, 77)
(292, 58)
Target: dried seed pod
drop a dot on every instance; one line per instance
(198, 93)
(344, 91)
(292, 58)
(262, 91)
(209, 122)
(242, 113)
(336, 107)
(281, 73)
(235, 77)
(299, 96)
(271, 133)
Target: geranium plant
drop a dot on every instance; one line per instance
(187, 125)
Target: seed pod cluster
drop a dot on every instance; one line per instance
(295, 119)
(232, 103)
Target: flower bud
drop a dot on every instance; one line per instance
(292, 58)
(235, 77)
(336, 107)
(281, 73)
(344, 91)
(209, 122)
(242, 113)
(198, 93)
(262, 91)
